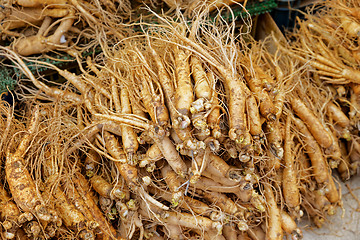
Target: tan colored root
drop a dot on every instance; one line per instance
(266, 105)
(182, 219)
(105, 189)
(40, 44)
(91, 161)
(184, 92)
(312, 122)
(9, 214)
(22, 186)
(26, 16)
(289, 226)
(210, 185)
(344, 167)
(71, 216)
(171, 155)
(75, 198)
(331, 191)
(187, 203)
(202, 87)
(256, 233)
(174, 184)
(275, 140)
(274, 230)
(153, 154)
(337, 115)
(253, 116)
(320, 168)
(96, 213)
(290, 181)
(222, 201)
(129, 137)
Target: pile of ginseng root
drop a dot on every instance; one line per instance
(71, 26)
(74, 26)
(185, 132)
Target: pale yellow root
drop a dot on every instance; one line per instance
(258, 201)
(188, 203)
(32, 229)
(202, 88)
(312, 122)
(173, 231)
(213, 119)
(320, 168)
(253, 114)
(105, 189)
(163, 142)
(39, 3)
(69, 214)
(256, 233)
(275, 140)
(221, 201)
(210, 185)
(173, 183)
(337, 115)
(129, 137)
(91, 161)
(182, 219)
(236, 94)
(354, 113)
(290, 182)
(136, 109)
(334, 152)
(279, 100)
(266, 105)
(184, 93)
(114, 148)
(199, 163)
(129, 173)
(331, 192)
(217, 166)
(9, 214)
(221, 180)
(230, 232)
(165, 81)
(237, 119)
(344, 166)
(155, 106)
(40, 44)
(171, 155)
(96, 213)
(22, 187)
(73, 195)
(320, 202)
(289, 225)
(26, 16)
(153, 154)
(350, 26)
(274, 230)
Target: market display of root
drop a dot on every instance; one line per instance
(182, 131)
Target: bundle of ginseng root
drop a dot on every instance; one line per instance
(326, 44)
(184, 132)
(35, 27)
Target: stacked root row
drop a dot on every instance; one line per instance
(185, 132)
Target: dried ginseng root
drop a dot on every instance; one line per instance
(22, 186)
